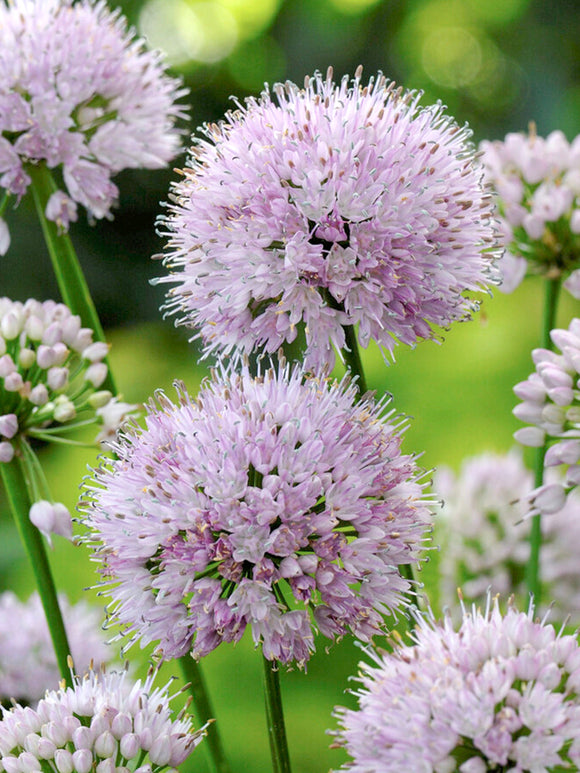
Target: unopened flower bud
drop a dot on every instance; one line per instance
(13, 382)
(96, 374)
(7, 366)
(57, 378)
(6, 451)
(4, 237)
(10, 326)
(100, 399)
(550, 499)
(39, 395)
(82, 761)
(26, 358)
(64, 409)
(63, 761)
(8, 425)
(96, 351)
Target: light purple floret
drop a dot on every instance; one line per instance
(80, 92)
(332, 205)
(501, 693)
(263, 499)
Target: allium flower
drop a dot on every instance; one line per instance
(50, 372)
(537, 184)
(80, 93)
(551, 404)
(484, 535)
(27, 662)
(501, 693)
(102, 724)
(263, 499)
(328, 206)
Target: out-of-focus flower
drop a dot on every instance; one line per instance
(484, 535)
(50, 374)
(499, 693)
(103, 723)
(80, 93)
(328, 206)
(550, 402)
(263, 500)
(27, 662)
(537, 185)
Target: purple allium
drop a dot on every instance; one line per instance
(328, 206)
(537, 186)
(484, 535)
(27, 662)
(500, 693)
(103, 723)
(551, 405)
(50, 374)
(82, 94)
(263, 500)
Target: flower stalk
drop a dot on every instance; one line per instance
(67, 268)
(275, 718)
(14, 480)
(532, 575)
(192, 672)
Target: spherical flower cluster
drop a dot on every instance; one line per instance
(328, 206)
(500, 693)
(102, 723)
(550, 402)
(27, 662)
(537, 183)
(50, 372)
(264, 499)
(80, 93)
(484, 535)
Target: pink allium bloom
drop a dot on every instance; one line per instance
(104, 723)
(537, 186)
(81, 93)
(328, 206)
(50, 373)
(501, 693)
(27, 662)
(550, 403)
(264, 500)
(484, 535)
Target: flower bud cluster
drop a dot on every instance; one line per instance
(537, 182)
(484, 535)
(102, 724)
(27, 661)
(551, 404)
(79, 92)
(500, 693)
(50, 374)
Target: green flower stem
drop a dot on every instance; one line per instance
(275, 718)
(67, 268)
(4, 202)
(532, 574)
(17, 492)
(192, 673)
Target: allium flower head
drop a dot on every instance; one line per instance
(500, 693)
(264, 499)
(537, 185)
(50, 374)
(102, 724)
(484, 535)
(80, 93)
(331, 206)
(27, 662)
(550, 403)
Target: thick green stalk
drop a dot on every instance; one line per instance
(275, 718)
(193, 674)
(353, 359)
(18, 498)
(67, 268)
(532, 574)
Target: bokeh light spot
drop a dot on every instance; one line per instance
(451, 56)
(498, 11)
(200, 31)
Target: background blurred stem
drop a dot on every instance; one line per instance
(275, 718)
(192, 673)
(68, 271)
(19, 500)
(532, 576)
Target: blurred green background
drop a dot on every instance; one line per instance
(497, 64)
